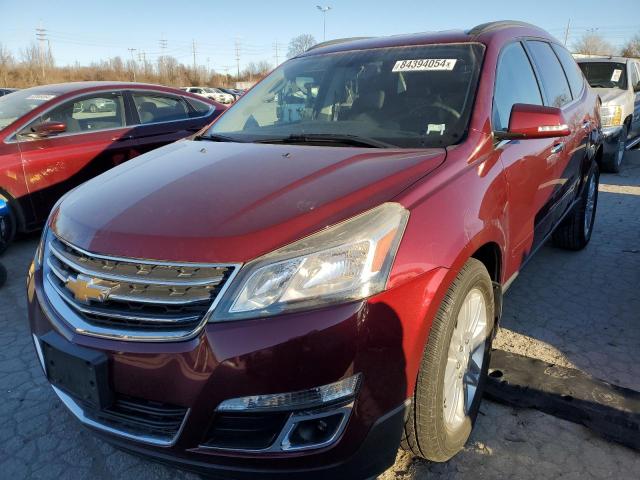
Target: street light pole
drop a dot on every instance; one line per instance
(324, 11)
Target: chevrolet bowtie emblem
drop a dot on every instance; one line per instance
(86, 289)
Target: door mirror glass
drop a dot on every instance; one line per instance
(534, 121)
(49, 129)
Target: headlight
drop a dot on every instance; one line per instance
(611, 115)
(346, 262)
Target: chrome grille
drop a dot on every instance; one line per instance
(131, 298)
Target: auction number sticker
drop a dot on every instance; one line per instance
(425, 64)
(615, 76)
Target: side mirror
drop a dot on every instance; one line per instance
(48, 129)
(636, 88)
(534, 121)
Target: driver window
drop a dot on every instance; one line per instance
(515, 83)
(100, 112)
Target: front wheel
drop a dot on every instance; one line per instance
(453, 369)
(575, 230)
(8, 224)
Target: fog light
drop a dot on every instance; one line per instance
(313, 432)
(344, 389)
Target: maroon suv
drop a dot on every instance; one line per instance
(317, 278)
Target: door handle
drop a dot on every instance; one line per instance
(121, 139)
(557, 147)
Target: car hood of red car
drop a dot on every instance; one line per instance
(200, 201)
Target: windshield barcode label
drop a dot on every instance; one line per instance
(424, 64)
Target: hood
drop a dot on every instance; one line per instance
(611, 96)
(202, 201)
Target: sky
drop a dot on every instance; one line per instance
(89, 31)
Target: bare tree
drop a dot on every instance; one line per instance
(632, 47)
(257, 70)
(593, 44)
(7, 63)
(300, 44)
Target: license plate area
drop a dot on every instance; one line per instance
(78, 371)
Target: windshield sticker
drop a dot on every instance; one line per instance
(41, 97)
(615, 76)
(425, 64)
(434, 127)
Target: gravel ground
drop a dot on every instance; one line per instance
(586, 317)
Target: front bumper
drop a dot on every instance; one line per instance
(381, 339)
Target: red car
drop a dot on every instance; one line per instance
(317, 278)
(55, 137)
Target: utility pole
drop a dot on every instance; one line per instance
(163, 48)
(275, 47)
(41, 35)
(566, 32)
(324, 11)
(238, 58)
(193, 49)
(133, 62)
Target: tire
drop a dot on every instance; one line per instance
(3, 275)
(612, 162)
(434, 430)
(575, 230)
(8, 227)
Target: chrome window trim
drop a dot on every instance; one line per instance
(72, 320)
(12, 136)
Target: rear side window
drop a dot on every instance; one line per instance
(155, 107)
(574, 74)
(515, 83)
(201, 108)
(554, 81)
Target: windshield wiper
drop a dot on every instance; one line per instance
(214, 137)
(342, 139)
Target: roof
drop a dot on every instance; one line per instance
(480, 33)
(64, 88)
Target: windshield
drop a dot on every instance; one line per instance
(410, 97)
(605, 74)
(20, 103)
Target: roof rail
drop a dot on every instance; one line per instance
(335, 42)
(485, 27)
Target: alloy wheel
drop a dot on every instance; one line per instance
(590, 206)
(465, 359)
